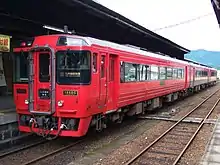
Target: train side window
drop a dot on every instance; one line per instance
(143, 73)
(154, 74)
(169, 73)
(130, 72)
(175, 73)
(180, 73)
(138, 69)
(94, 63)
(183, 73)
(102, 66)
(122, 72)
(213, 73)
(148, 73)
(197, 73)
(162, 73)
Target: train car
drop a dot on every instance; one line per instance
(212, 76)
(200, 76)
(65, 84)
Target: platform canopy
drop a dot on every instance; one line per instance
(26, 18)
(216, 7)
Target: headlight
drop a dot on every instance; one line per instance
(60, 103)
(26, 102)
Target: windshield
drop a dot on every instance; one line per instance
(73, 67)
(21, 67)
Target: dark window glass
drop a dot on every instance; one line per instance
(162, 73)
(213, 73)
(44, 65)
(122, 72)
(180, 73)
(183, 73)
(138, 71)
(169, 73)
(94, 63)
(143, 72)
(73, 67)
(111, 70)
(102, 66)
(175, 73)
(154, 72)
(148, 72)
(21, 67)
(130, 72)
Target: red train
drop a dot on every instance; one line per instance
(65, 84)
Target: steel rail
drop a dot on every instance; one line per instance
(168, 130)
(197, 131)
(53, 152)
(22, 148)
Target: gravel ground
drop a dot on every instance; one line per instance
(196, 150)
(99, 144)
(34, 152)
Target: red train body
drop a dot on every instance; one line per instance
(65, 84)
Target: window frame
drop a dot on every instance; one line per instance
(95, 67)
(154, 66)
(164, 74)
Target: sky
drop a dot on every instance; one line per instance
(202, 32)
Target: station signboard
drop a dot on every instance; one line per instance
(2, 76)
(4, 43)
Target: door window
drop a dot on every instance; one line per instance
(111, 70)
(102, 66)
(94, 62)
(44, 64)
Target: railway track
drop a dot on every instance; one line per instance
(8, 153)
(170, 146)
(53, 152)
(38, 155)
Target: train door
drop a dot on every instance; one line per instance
(103, 80)
(41, 82)
(191, 76)
(111, 82)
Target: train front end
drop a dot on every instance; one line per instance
(51, 85)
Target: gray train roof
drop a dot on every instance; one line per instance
(134, 49)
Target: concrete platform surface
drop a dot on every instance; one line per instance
(7, 117)
(6, 102)
(212, 155)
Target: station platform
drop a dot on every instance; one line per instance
(9, 133)
(6, 102)
(212, 154)
(7, 110)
